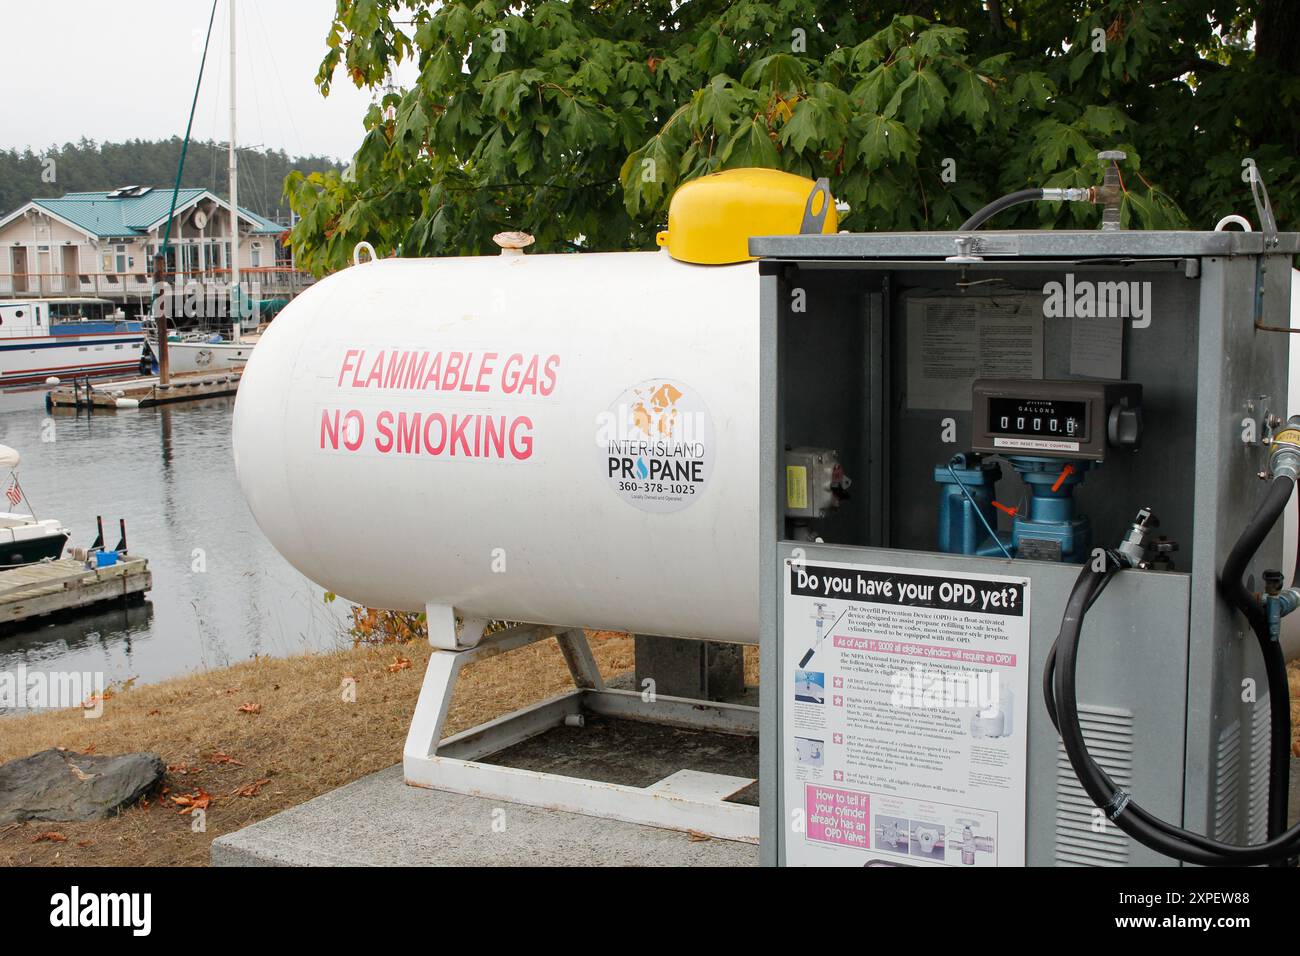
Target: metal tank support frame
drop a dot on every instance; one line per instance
(686, 800)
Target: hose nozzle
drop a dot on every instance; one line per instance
(1133, 549)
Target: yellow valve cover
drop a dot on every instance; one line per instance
(711, 219)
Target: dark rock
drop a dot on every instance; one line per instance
(59, 785)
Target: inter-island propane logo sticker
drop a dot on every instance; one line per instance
(656, 445)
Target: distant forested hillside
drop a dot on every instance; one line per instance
(89, 165)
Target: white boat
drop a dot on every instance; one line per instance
(201, 351)
(205, 355)
(65, 338)
(23, 538)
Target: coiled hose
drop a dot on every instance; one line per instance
(1060, 690)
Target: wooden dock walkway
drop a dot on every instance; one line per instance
(53, 586)
(144, 392)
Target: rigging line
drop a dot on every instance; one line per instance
(214, 150)
(189, 126)
(250, 62)
(275, 66)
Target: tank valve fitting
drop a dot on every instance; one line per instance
(1284, 450)
(1278, 601)
(1073, 194)
(513, 243)
(1111, 192)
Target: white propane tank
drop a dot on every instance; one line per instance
(560, 439)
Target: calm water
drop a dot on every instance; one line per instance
(221, 593)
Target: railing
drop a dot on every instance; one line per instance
(270, 281)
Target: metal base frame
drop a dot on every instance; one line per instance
(687, 800)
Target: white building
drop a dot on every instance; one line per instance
(103, 243)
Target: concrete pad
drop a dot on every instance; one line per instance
(380, 821)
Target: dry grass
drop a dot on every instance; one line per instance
(304, 740)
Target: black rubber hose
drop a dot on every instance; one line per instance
(996, 206)
(1120, 808)
(1295, 569)
(1279, 694)
(1049, 669)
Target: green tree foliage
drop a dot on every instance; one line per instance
(87, 165)
(576, 121)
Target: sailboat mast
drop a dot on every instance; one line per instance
(236, 299)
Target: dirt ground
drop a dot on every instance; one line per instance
(254, 739)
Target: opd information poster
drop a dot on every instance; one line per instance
(906, 698)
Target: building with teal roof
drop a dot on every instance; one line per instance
(103, 243)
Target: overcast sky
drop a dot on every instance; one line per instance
(111, 72)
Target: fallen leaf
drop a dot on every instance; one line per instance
(250, 789)
(85, 843)
(250, 708)
(695, 836)
(399, 664)
(189, 802)
(218, 756)
(51, 836)
(154, 713)
(89, 749)
(183, 768)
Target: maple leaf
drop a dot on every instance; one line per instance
(249, 708)
(399, 664)
(250, 789)
(50, 836)
(189, 802)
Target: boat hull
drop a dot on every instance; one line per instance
(206, 356)
(30, 361)
(15, 554)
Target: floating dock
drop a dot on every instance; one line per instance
(51, 587)
(144, 392)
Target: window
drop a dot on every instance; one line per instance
(257, 254)
(108, 262)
